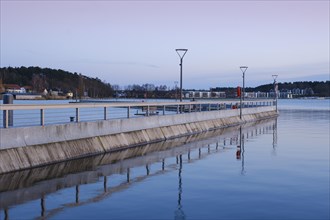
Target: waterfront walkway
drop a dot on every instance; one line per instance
(68, 131)
(25, 115)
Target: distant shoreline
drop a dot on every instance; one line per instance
(42, 98)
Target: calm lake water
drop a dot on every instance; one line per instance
(281, 171)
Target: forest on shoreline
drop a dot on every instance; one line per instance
(39, 79)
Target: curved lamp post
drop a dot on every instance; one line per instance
(181, 53)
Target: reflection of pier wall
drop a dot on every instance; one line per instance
(22, 186)
(22, 148)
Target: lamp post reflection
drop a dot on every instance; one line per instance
(42, 203)
(127, 175)
(179, 214)
(274, 137)
(240, 150)
(77, 194)
(105, 183)
(148, 170)
(275, 89)
(6, 214)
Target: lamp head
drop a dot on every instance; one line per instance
(181, 52)
(243, 68)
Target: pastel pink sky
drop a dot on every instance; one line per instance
(134, 42)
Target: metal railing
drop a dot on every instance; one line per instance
(24, 115)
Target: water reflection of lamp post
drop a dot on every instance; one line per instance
(275, 89)
(77, 194)
(42, 203)
(127, 175)
(181, 53)
(105, 183)
(243, 151)
(240, 149)
(274, 136)
(179, 214)
(6, 214)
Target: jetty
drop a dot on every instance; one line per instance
(37, 135)
(152, 159)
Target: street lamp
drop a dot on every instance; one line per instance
(243, 69)
(275, 89)
(181, 53)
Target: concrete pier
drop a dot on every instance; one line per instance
(20, 187)
(27, 147)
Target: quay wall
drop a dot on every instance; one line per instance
(27, 147)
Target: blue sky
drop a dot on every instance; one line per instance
(134, 42)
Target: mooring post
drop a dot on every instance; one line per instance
(105, 113)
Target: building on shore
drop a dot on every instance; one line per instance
(204, 94)
(198, 94)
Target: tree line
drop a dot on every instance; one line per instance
(46, 78)
(55, 79)
(318, 88)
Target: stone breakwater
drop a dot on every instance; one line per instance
(23, 148)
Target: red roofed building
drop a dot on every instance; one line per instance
(13, 88)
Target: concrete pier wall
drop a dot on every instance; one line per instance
(26, 185)
(23, 148)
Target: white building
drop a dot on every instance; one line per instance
(205, 94)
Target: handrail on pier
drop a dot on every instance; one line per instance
(127, 110)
